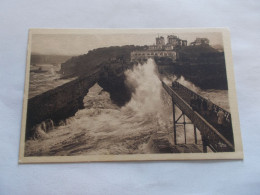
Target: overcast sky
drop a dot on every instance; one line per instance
(77, 44)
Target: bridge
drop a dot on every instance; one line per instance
(218, 138)
(58, 103)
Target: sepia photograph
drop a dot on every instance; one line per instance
(129, 95)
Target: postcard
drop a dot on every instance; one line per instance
(129, 95)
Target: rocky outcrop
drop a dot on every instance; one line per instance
(162, 142)
(103, 65)
(96, 59)
(202, 65)
(112, 79)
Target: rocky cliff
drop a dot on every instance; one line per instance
(96, 59)
(202, 65)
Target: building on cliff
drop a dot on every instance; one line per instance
(173, 43)
(200, 41)
(176, 42)
(160, 49)
(144, 55)
(160, 43)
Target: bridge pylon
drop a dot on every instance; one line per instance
(178, 122)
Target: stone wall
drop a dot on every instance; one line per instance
(59, 103)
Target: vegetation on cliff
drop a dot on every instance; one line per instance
(202, 65)
(111, 62)
(203, 54)
(96, 59)
(211, 76)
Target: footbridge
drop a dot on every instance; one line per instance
(203, 114)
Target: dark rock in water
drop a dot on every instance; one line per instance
(112, 80)
(38, 71)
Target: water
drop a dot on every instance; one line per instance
(44, 77)
(104, 128)
(218, 97)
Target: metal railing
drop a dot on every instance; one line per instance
(215, 107)
(212, 137)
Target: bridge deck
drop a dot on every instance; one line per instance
(209, 115)
(218, 137)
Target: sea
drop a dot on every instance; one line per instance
(104, 128)
(44, 77)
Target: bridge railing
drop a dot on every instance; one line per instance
(211, 136)
(215, 107)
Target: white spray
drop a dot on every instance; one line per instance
(146, 98)
(104, 128)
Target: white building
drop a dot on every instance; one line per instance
(144, 55)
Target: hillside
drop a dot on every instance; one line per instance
(96, 59)
(202, 65)
(195, 54)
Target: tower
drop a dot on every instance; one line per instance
(160, 41)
